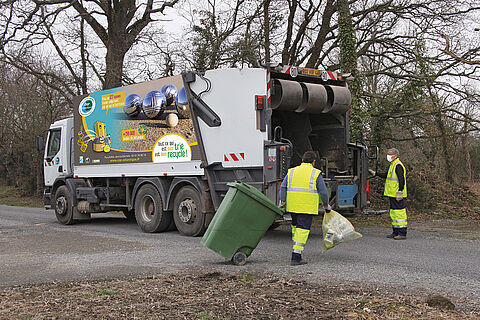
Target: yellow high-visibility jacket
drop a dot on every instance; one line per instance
(302, 193)
(391, 184)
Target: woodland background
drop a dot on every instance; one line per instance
(416, 65)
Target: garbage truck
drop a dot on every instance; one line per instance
(163, 151)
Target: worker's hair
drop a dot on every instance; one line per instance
(394, 151)
(309, 157)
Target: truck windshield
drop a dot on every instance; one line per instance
(53, 143)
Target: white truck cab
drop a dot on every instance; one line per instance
(57, 153)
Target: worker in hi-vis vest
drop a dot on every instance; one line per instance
(396, 191)
(300, 190)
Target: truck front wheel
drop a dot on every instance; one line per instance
(63, 206)
(149, 211)
(187, 213)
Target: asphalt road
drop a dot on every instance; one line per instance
(34, 248)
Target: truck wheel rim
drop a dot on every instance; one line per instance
(148, 208)
(61, 206)
(185, 211)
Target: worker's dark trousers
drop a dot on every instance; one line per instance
(397, 206)
(300, 221)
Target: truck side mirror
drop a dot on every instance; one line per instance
(40, 143)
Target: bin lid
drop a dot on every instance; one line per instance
(254, 193)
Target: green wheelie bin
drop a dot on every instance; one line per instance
(242, 219)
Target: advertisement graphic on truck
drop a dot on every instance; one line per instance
(146, 122)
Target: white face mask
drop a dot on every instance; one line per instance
(389, 158)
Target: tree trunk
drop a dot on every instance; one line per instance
(292, 5)
(114, 65)
(466, 152)
(325, 28)
(83, 56)
(266, 29)
(348, 63)
(445, 149)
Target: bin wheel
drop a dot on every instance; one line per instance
(149, 211)
(239, 258)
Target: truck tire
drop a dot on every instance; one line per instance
(149, 211)
(187, 212)
(63, 206)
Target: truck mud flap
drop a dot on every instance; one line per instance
(162, 186)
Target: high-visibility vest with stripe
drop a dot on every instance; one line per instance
(391, 184)
(302, 193)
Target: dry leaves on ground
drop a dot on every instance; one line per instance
(213, 295)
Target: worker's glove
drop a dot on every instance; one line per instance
(399, 195)
(371, 172)
(328, 208)
(281, 204)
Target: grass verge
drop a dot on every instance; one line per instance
(11, 196)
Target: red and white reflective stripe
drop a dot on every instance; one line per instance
(48, 164)
(331, 75)
(234, 156)
(285, 69)
(269, 86)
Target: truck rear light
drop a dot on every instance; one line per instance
(283, 148)
(368, 190)
(259, 102)
(269, 167)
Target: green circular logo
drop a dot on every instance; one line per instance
(142, 129)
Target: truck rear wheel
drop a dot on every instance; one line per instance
(187, 213)
(149, 211)
(63, 206)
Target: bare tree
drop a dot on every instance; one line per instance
(115, 24)
(224, 33)
(465, 58)
(27, 107)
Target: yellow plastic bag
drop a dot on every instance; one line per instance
(337, 229)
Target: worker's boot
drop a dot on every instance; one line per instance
(399, 237)
(298, 262)
(391, 236)
(297, 259)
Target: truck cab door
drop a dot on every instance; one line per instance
(53, 160)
